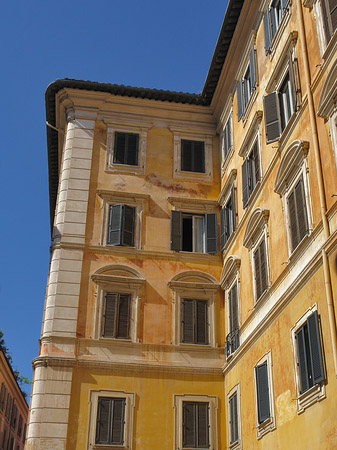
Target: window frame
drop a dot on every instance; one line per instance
(128, 418)
(236, 444)
(316, 392)
(212, 419)
(226, 135)
(271, 38)
(228, 193)
(269, 423)
(325, 43)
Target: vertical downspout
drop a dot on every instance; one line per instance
(326, 230)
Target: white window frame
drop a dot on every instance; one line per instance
(317, 392)
(280, 29)
(270, 423)
(137, 201)
(178, 416)
(122, 282)
(325, 46)
(128, 419)
(237, 445)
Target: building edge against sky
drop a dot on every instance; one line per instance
(190, 301)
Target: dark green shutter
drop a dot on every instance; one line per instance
(120, 148)
(255, 167)
(200, 322)
(257, 273)
(333, 14)
(245, 182)
(186, 155)
(128, 225)
(132, 149)
(223, 227)
(266, 28)
(239, 98)
(252, 66)
(315, 349)
(272, 116)
(301, 209)
(115, 225)
(293, 220)
(262, 387)
(263, 262)
(103, 421)
(4, 440)
(198, 156)
(233, 412)
(292, 79)
(189, 424)
(234, 308)
(123, 316)
(211, 233)
(109, 318)
(202, 425)
(187, 322)
(302, 360)
(117, 425)
(176, 231)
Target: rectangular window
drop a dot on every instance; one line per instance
(195, 425)
(110, 421)
(193, 232)
(260, 269)
(272, 20)
(194, 321)
(329, 13)
(262, 392)
(246, 85)
(250, 173)
(227, 220)
(298, 217)
(309, 353)
(233, 418)
(192, 156)
(121, 225)
(116, 315)
(227, 138)
(126, 148)
(232, 339)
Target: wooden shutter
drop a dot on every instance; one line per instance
(186, 155)
(2, 397)
(201, 322)
(267, 32)
(315, 348)
(262, 387)
(225, 142)
(257, 273)
(255, 166)
(301, 210)
(211, 233)
(103, 420)
(252, 65)
(123, 316)
(234, 308)
(233, 411)
(128, 221)
(189, 422)
(272, 116)
(109, 315)
(292, 80)
(4, 440)
(302, 360)
(132, 149)
(176, 231)
(260, 265)
(233, 209)
(329, 13)
(245, 182)
(20, 426)
(198, 156)
(223, 227)
(115, 224)
(263, 259)
(229, 133)
(202, 425)
(120, 148)
(239, 97)
(187, 322)
(117, 425)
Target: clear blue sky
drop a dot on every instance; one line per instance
(150, 43)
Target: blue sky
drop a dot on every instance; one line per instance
(150, 43)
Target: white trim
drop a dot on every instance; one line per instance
(128, 419)
(178, 422)
(237, 445)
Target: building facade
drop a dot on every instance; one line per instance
(13, 409)
(191, 293)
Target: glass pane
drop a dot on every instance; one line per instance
(198, 234)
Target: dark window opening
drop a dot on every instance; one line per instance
(192, 156)
(110, 421)
(195, 425)
(126, 148)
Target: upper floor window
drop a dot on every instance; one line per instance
(246, 84)
(272, 20)
(326, 17)
(121, 225)
(116, 315)
(126, 148)
(227, 200)
(194, 321)
(226, 138)
(234, 416)
(250, 172)
(297, 212)
(3, 396)
(192, 156)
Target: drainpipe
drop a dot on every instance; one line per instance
(326, 230)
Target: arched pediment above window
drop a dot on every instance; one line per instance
(195, 279)
(118, 273)
(257, 221)
(230, 268)
(291, 163)
(328, 96)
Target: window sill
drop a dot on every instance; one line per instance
(313, 395)
(125, 168)
(265, 427)
(201, 176)
(279, 33)
(235, 445)
(109, 447)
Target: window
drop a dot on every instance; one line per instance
(309, 369)
(116, 315)
(232, 339)
(126, 148)
(226, 138)
(233, 411)
(297, 213)
(250, 173)
(227, 219)
(326, 17)
(255, 239)
(117, 291)
(194, 323)
(121, 225)
(272, 20)
(111, 417)
(195, 422)
(192, 156)
(3, 397)
(246, 84)
(20, 426)
(194, 232)
(284, 101)
(4, 439)
(264, 397)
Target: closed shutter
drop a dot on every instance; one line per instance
(128, 225)
(202, 425)
(267, 32)
(239, 97)
(233, 411)
(302, 360)
(293, 220)
(257, 267)
(201, 322)
(187, 322)
(176, 231)
(301, 209)
(123, 316)
(103, 421)
(132, 146)
(117, 426)
(115, 224)
(233, 209)
(223, 227)
(229, 133)
(245, 182)
(198, 156)
(255, 169)
(2, 397)
(120, 148)
(272, 116)
(252, 65)
(262, 386)
(315, 349)
(211, 233)
(186, 155)
(292, 79)
(263, 262)
(109, 315)
(234, 308)
(189, 424)
(4, 438)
